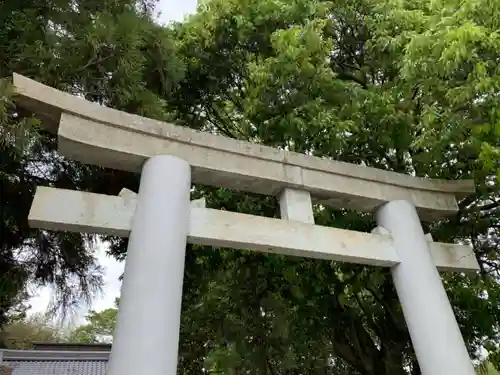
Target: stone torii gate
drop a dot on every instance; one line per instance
(160, 220)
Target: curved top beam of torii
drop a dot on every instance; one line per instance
(94, 134)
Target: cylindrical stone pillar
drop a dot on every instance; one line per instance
(146, 337)
(434, 331)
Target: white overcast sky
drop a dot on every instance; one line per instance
(175, 10)
(167, 10)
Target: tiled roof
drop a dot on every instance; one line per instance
(46, 362)
(58, 368)
(71, 346)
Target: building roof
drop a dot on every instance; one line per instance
(57, 359)
(70, 346)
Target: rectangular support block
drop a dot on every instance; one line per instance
(296, 205)
(95, 213)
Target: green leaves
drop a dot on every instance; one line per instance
(410, 87)
(109, 52)
(22, 333)
(403, 86)
(99, 327)
(454, 60)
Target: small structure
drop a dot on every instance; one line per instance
(160, 220)
(56, 359)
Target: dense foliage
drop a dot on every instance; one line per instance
(98, 327)
(110, 52)
(22, 333)
(404, 86)
(408, 86)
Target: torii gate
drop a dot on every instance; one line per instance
(160, 220)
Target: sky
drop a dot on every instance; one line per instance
(167, 10)
(175, 10)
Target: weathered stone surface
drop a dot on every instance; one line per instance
(105, 214)
(103, 136)
(296, 205)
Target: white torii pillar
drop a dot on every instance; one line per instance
(434, 331)
(146, 339)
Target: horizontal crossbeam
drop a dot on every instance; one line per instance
(58, 209)
(97, 135)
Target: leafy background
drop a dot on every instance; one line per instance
(407, 86)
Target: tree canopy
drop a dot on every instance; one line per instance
(21, 333)
(382, 84)
(406, 86)
(98, 328)
(110, 52)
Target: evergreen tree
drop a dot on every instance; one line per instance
(110, 52)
